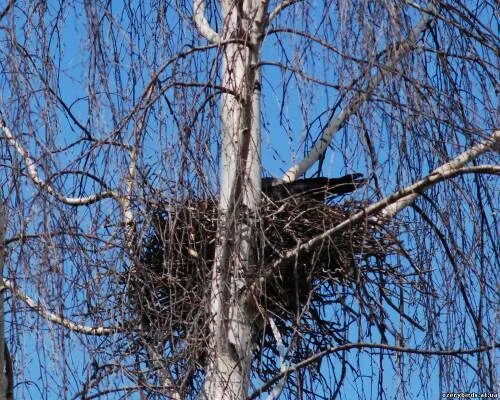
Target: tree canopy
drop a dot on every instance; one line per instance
(140, 258)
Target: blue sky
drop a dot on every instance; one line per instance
(284, 129)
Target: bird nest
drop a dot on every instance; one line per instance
(170, 286)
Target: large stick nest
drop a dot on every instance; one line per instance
(170, 287)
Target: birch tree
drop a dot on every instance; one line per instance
(141, 258)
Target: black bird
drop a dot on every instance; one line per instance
(313, 188)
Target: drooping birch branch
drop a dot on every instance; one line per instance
(202, 24)
(449, 170)
(58, 319)
(34, 176)
(378, 346)
(123, 200)
(280, 7)
(355, 103)
(388, 207)
(130, 177)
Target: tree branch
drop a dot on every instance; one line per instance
(33, 174)
(275, 393)
(6, 9)
(351, 346)
(9, 373)
(4, 362)
(58, 319)
(202, 24)
(280, 7)
(391, 205)
(447, 171)
(164, 375)
(355, 103)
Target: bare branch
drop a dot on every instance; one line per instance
(6, 9)
(280, 7)
(322, 43)
(125, 201)
(21, 237)
(201, 22)
(184, 266)
(351, 346)
(58, 319)
(166, 379)
(391, 205)
(275, 393)
(101, 393)
(355, 103)
(33, 174)
(302, 74)
(447, 171)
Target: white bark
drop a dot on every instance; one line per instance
(230, 352)
(124, 200)
(388, 207)
(55, 318)
(280, 7)
(357, 101)
(201, 22)
(275, 393)
(443, 172)
(34, 176)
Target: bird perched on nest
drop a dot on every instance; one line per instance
(312, 188)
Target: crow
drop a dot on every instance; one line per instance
(319, 189)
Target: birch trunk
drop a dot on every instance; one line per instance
(230, 352)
